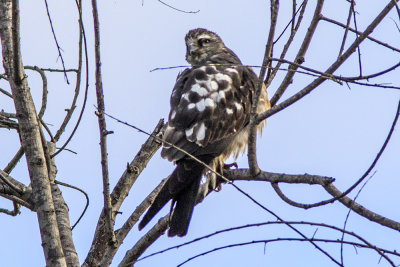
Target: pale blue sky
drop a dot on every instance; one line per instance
(334, 131)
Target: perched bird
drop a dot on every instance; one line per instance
(209, 117)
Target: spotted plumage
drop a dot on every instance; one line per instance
(210, 112)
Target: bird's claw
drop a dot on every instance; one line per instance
(229, 166)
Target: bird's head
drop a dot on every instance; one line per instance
(201, 44)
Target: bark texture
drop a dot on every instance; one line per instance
(30, 134)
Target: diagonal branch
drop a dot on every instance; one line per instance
(332, 68)
(359, 33)
(120, 192)
(325, 182)
(300, 54)
(129, 223)
(272, 74)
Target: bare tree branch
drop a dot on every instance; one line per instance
(5, 92)
(129, 223)
(351, 9)
(272, 74)
(108, 211)
(82, 41)
(13, 212)
(300, 54)
(280, 239)
(13, 162)
(177, 9)
(325, 182)
(44, 90)
(63, 224)
(332, 68)
(120, 192)
(253, 225)
(252, 154)
(29, 133)
(144, 242)
(359, 33)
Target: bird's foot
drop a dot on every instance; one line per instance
(225, 167)
(229, 166)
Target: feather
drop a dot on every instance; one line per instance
(210, 112)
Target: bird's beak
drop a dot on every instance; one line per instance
(191, 47)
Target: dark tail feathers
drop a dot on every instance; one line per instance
(182, 187)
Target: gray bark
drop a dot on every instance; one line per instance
(30, 134)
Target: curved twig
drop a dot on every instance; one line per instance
(265, 241)
(86, 197)
(69, 114)
(367, 244)
(44, 90)
(177, 9)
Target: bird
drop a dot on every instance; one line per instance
(209, 118)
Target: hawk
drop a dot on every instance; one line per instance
(210, 112)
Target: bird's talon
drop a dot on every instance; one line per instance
(229, 166)
(218, 188)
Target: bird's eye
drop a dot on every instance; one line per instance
(204, 41)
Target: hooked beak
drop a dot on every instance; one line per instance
(191, 47)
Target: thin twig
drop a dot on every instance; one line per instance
(279, 192)
(82, 36)
(272, 74)
(355, 27)
(177, 9)
(58, 70)
(359, 33)
(241, 227)
(290, 226)
(55, 39)
(291, 22)
(331, 69)
(300, 54)
(13, 212)
(347, 218)
(265, 241)
(44, 88)
(13, 162)
(6, 93)
(346, 28)
(366, 173)
(86, 197)
(370, 168)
